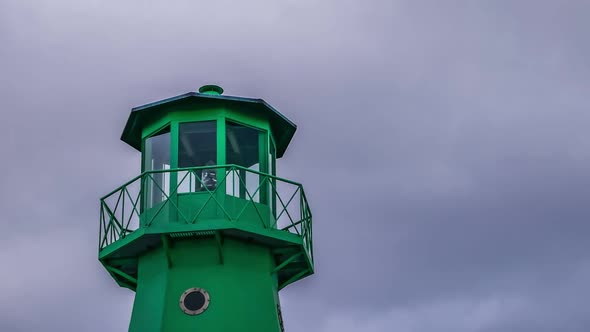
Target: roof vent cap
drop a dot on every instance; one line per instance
(211, 89)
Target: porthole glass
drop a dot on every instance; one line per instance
(194, 301)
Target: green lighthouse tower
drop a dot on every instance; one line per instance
(207, 235)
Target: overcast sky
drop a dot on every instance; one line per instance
(444, 147)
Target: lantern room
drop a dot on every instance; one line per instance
(209, 140)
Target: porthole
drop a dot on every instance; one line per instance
(194, 301)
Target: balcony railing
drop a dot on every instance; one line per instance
(193, 195)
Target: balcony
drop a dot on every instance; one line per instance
(207, 201)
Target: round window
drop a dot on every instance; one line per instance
(194, 301)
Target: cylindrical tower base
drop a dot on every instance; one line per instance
(237, 290)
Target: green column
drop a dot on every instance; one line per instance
(242, 289)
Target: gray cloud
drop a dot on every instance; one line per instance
(443, 146)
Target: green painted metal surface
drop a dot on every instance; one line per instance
(241, 238)
(142, 116)
(242, 289)
(211, 90)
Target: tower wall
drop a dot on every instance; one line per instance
(243, 291)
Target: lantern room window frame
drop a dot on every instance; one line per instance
(221, 117)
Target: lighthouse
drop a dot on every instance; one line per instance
(207, 234)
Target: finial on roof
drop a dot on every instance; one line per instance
(211, 89)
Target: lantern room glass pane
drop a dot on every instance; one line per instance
(157, 158)
(243, 149)
(197, 146)
(242, 146)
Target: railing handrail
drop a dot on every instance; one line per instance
(112, 229)
(184, 169)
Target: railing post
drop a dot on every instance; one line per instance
(144, 198)
(100, 225)
(173, 195)
(221, 174)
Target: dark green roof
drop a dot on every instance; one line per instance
(282, 128)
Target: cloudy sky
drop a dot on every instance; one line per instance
(444, 147)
